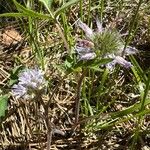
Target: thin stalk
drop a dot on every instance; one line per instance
(132, 24)
(64, 22)
(139, 122)
(81, 10)
(49, 128)
(81, 13)
(77, 100)
(91, 76)
(101, 4)
(145, 93)
(66, 30)
(49, 139)
(89, 9)
(33, 36)
(84, 97)
(101, 87)
(58, 26)
(142, 107)
(26, 118)
(47, 120)
(62, 36)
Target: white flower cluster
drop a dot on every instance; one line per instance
(30, 81)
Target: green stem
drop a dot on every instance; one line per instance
(81, 10)
(77, 100)
(89, 9)
(132, 26)
(101, 3)
(145, 93)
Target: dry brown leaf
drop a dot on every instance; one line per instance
(11, 37)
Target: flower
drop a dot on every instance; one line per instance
(121, 61)
(117, 60)
(19, 91)
(88, 31)
(103, 43)
(84, 50)
(30, 81)
(32, 78)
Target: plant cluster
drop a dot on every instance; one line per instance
(58, 86)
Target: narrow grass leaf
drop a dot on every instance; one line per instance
(145, 93)
(65, 6)
(138, 69)
(47, 4)
(116, 121)
(13, 15)
(30, 13)
(130, 109)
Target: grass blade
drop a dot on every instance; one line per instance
(65, 6)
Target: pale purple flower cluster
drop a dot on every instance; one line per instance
(85, 51)
(30, 80)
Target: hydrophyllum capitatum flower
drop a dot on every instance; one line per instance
(84, 50)
(30, 82)
(118, 60)
(18, 91)
(122, 62)
(102, 43)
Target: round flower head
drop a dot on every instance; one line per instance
(32, 78)
(30, 81)
(105, 42)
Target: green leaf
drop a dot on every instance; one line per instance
(146, 92)
(92, 63)
(13, 15)
(117, 121)
(3, 104)
(65, 6)
(47, 4)
(129, 110)
(137, 70)
(27, 12)
(68, 64)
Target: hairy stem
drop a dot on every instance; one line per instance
(77, 100)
